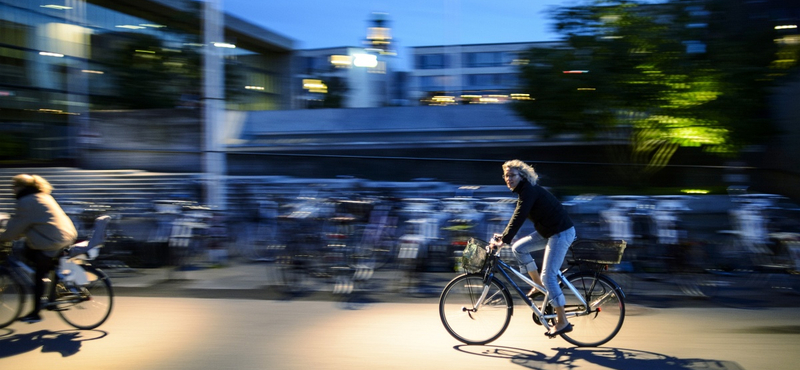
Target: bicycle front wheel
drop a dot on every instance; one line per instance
(86, 306)
(602, 320)
(12, 298)
(469, 319)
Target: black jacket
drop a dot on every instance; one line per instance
(537, 204)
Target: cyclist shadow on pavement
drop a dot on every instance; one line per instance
(610, 358)
(65, 342)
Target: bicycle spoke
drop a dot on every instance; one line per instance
(604, 317)
(11, 299)
(91, 306)
(471, 323)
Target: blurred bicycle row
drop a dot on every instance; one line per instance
(335, 239)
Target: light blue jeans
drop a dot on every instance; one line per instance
(555, 249)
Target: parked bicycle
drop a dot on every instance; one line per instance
(476, 307)
(82, 296)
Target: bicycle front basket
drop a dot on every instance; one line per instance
(598, 251)
(474, 255)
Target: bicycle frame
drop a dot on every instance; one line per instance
(476, 307)
(498, 265)
(23, 272)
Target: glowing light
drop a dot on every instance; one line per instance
(224, 45)
(152, 25)
(443, 100)
(786, 27)
(695, 191)
(254, 87)
(49, 54)
(315, 86)
(378, 34)
(130, 27)
(57, 111)
(92, 71)
(789, 40)
(145, 51)
(365, 60)
(521, 96)
(576, 71)
(341, 60)
(56, 7)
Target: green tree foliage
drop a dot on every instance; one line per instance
(654, 73)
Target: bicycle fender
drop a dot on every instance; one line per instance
(617, 287)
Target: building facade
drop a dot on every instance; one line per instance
(341, 77)
(62, 59)
(348, 76)
(461, 74)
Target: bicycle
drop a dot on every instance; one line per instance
(82, 295)
(476, 307)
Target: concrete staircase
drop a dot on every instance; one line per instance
(126, 192)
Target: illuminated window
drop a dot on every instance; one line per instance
(315, 86)
(379, 34)
(365, 60)
(341, 61)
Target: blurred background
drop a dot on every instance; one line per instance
(213, 139)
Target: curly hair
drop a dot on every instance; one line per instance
(34, 181)
(524, 170)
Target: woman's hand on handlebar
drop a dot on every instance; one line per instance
(497, 241)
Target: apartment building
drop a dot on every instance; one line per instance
(461, 74)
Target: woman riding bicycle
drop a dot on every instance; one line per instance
(554, 230)
(45, 226)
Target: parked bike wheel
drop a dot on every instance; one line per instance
(290, 275)
(605, 315)
(87, 306)
(12, 298)
(481, 326)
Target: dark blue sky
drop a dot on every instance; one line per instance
(331, 23)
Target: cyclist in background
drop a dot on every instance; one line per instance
(45, 226)
(554, 230)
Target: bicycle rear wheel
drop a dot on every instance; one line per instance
(481, 326)
(12, 298)
(606, 312)
(86, 306)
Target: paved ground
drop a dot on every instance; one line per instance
(235, 317)
(259, 281)
(169, 333)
